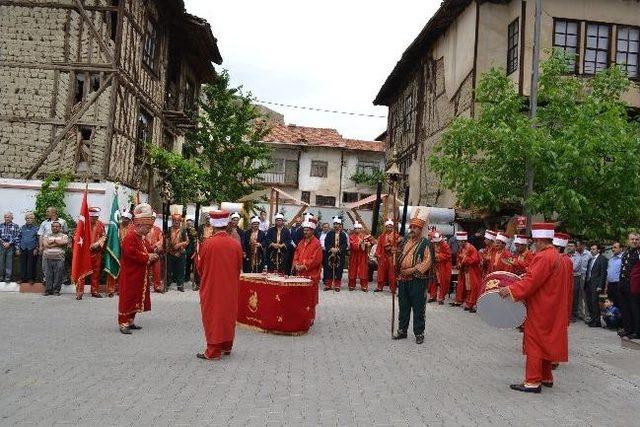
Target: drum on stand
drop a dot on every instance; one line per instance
(502, 313)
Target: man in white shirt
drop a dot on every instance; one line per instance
(323, 234)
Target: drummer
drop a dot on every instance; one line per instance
(499, 258)
(523, 256)
(469, 274)
(486, 252)
(543, 289)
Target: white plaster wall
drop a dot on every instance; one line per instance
(329, 186)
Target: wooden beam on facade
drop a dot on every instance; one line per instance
(71, 66)
(92, 28)
(52, 5)
(72, 122)
(47, 121)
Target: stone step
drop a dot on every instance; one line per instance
(632, 344)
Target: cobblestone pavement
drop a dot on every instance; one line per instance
(65, 362)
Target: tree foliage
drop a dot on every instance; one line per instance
(227, 142)
(51, 194)
(183, 176)
(370, 179)
(583, 147)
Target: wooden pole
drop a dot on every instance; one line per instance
(376, 210)
(394, 194)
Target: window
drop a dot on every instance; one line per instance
(408, 112)
(305, 196)
(113, 21)
(79, 92)
(319, 169)
(627, 50)
(189, 95)
(325, 201)
(277, 166)
(144, 132)
(565, 39)
(367, 167)
(512, 46)
(349, 197)
(168, 141)
(596, 53)
(150, 45)
(83, 153)
(95, 82)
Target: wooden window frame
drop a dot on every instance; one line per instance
(627, 53)
(353, 197)
(319, 163)
(139, 148)
(325, 198)
(513, 46)
(305, 196)
(408, 112)
(597, 48)
(577, 58)
(150, 63)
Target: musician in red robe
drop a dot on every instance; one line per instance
(307, 259)
(358, 258)
(385, 252)
(499, 258)
(469, 274)
(440, 287)
(155, 244)
(486, 252)
(544, 290)
(134, 270)
(123, 229)
(523, 256)
(98, 239)
(219, 266)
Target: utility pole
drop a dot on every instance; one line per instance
(533, 100)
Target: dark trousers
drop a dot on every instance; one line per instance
(635, 312)
(592, 299)
(28, 263)
(412, 297)
(189, 267)
(624, 298)
(175, 269)
(579, 298)
(54, 272)
(612, 293)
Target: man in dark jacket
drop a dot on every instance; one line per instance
(279, 248)
(594, 284)
(629, 260)
(253, 243)
(335, 250)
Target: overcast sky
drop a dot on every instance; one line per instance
(330, 54)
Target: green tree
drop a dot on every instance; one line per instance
(51, 194)
(583, 147)
(227, 142)
(183, 176)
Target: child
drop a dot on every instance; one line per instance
(610, 317)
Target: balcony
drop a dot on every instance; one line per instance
(278, 178)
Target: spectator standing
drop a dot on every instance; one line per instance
(323, 233)
(51, 215)
(613, 273)
(595, 281)
(264, 222)
(580, 258)
(54, 245)
(191, 250)
(9, 240)
(27, 248)
(629, 260)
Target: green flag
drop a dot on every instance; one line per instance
(112, 255)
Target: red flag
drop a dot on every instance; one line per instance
(81, 261)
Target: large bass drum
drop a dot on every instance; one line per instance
(502, 313)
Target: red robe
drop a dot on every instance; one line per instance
(440, 288)
(99, 236)
(219, 266)
(155, 240)
(520, 262)
(469, 276)
(499, 261)
(358, 261)
(386, 270)
(545, 291)
(309, 254)
(134, 274)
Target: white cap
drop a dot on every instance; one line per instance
(436, 237)
(462, 236)
(255, 220)
(388, 222)
(278, 216)
(310, 223)
(235, 215)
(190, 218)
(490, 235)
(521, 240)
(502, 237)
(336, 220)
(126, 214)
(357, 226)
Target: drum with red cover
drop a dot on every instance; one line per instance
(502, 313)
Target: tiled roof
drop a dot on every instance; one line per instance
(317, 137)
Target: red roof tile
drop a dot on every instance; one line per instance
(317, 137)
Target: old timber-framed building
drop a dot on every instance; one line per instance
(435, 79)
(85, 83)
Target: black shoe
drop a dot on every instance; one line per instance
(622, 333)
(57, 293)
(377, 290)
(440, 302)
(594, 324)
(327, 288)
(125, 330)
(181, 288)
(97, 295)
(419, 339)
(110, 295)
(549, 384)
(78, 297)
(472, 310)
(400, 335)
(352, 289)
(135, 327)
(431, 300)
(554, 366)
(336, 289)
(521, 387)
(46, 294)
(455, 304)
(466, 308)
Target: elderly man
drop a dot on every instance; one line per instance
(54, 246)
(279, 249)
(544, 289)
(469, 274)
(9, 241)
(386, 250)
(359, 246)
(439, 288)
(415, 262)
(135, 261)
(177, 241)
(253, 243)
(613, 273)
(27, 248)
(630, 311)
(219, 266)
(98, 239)
(335, 250)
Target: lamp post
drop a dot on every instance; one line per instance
(394, 175)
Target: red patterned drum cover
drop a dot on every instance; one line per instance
(496, 311)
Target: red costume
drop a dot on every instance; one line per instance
(440, 288)
(499, 261)
(98, 238)
(155, 243)
(112, 284)
(545, 291)
(134, 277)
(387, 244)
(219, 266)
(358, 261)
(309, 254)
(469, 276)
(520, 262)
